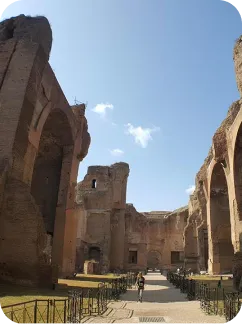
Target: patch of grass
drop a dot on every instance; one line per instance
(45, 306)
(91, 276)
(207, 277)
(12, 294)
(212, 281)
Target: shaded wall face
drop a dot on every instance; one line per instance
(93, 233)
(117, 239)
(191, 248)
(221, 249)
(154, 259)
(238, 172)
(221, 232)
(46, 181)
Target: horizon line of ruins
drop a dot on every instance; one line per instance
(50, 226)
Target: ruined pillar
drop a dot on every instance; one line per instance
(117, 239)
(120, 175)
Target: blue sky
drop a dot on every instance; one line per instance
(158, 76)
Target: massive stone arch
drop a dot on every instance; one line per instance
(37, 123)
(154, 259)
(221, 250)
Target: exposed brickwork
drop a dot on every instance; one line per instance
(41, 144)
(212, 237)
(101, 199)
(126, 238)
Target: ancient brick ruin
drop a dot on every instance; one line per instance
(115, 234)
(213, 236)
(49, 225)
(42, 141)
(101, 199)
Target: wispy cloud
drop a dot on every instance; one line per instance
(117, 152)
(102, 108)
(141, 135)
(190, 190)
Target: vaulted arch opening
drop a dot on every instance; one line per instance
(222, 248)
(238, 171)
(51, 169)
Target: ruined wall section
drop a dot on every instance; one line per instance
(94, 206)
(155, 235)
(136, 236)
(174, 224)
(198, 233)
(101, 199)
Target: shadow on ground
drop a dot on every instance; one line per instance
(155, 296)
(157, 290)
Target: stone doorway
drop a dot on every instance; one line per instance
(94, 254)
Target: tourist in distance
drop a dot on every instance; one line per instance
(140, 282)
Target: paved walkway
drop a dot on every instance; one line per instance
(161, 301)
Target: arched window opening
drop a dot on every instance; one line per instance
(94, 183)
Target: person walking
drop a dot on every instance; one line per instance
(140, 282)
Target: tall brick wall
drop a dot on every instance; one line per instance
(37, 220)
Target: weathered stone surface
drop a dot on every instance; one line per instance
(237, 63)
(40, 141)
(136, 238)
(126, 239)
(220, 139)
(214, 229)
(101, 199)
(30, 29)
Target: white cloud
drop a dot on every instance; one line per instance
(190, 190)
(141, 135)
(101, 108)
(116, 152)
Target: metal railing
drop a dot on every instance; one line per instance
(79, 303)
(213, 301)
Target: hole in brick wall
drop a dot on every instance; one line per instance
(94, 183)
